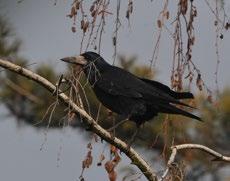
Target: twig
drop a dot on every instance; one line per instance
(136, 159)
(118, 23)
(175, 148)
(215, 13)
(217, 48)
(160, 26)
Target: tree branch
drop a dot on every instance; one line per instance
(131, 153)
(175, 148)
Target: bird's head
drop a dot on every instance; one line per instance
(86, 60)
(92, 64)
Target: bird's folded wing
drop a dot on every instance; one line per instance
(166, 89)
(116, 87)
(125, 84)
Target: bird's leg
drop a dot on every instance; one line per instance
(131, 141)
(58, 84)
(116, 125)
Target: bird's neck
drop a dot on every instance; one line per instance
(94, 71)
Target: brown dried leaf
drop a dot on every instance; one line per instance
(88, 161)
(73, 11)
(89, 146)
(195, 13)
(131, 7)
(82, 24)
(159, 24)
(91, 8)
(93, 13)
(112, 176)
(114, 41)
(99, 164)
(113, 149)
(167, 14)
(77, 5)
(221, 36)
(82, 179)
(85, 27)
(127, 14)
(116, 159)
(227, 26)
(184, 6)
(109, 166)
(199, 82)
(73, 28)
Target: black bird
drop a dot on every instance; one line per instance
(137, 99)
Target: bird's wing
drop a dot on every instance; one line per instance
(116, 81)
(117, 86)
(164, 94)
(166, 89)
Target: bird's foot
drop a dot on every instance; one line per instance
(116, 125)
(133, 138)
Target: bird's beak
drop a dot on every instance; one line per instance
(78, 60)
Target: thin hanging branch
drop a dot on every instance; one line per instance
(164, 15)
(118, 24)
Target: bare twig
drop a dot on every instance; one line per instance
(160, 22)
(217, 47)
(175, 148)
(214, 12)
(118, 24)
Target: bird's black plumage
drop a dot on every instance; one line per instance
(126, 94)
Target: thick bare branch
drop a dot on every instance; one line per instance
(131, 153)
(175, 148)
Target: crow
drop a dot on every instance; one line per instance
(135, 98)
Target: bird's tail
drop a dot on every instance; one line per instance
(182, 95)
(174, 110)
